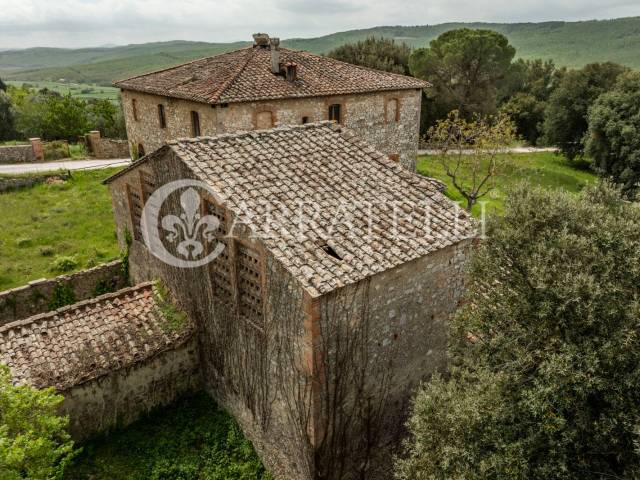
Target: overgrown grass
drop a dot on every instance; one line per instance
(50, 229)
(192, 440)
(545, 169)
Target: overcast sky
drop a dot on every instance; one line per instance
(76, 23)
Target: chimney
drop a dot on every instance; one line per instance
(275, 55)
(260, 40)
(291, 71)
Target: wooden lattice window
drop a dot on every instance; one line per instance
(249, 268)
(335, 113)
(136, 204)
(220, 268)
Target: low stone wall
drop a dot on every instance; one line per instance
(32, 152)
(106, 147)
(121, 397)
(38, 296)
(16, 183)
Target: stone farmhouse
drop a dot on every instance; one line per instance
(313, 335)
(265, 86)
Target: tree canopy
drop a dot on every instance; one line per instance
(467, 69)
(34, 443)
(379, 53)
(614, 133)
(566, 120)
(545, 378)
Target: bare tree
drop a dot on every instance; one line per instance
(472, 152)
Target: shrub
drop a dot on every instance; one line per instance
(62, 296)
(64, 264)
(46, 251)
(56, 150)
(546, 352)
(23, 242)
(34, 443)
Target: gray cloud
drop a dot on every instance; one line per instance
(73, 23)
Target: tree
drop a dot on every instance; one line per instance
(614, 133)
(467, 68)
(566, 121)
(7, 120)
(525, 94)
(107, 117)
(379, 53)
(65, 118)
(545, 352)
(3, 86)
(527, 114)
(469, 152)
(34, 443)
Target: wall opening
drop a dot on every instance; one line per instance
(335, 112)
(162, 119)
(330, 251)
(195, 124)
(134, 109)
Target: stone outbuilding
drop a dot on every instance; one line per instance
(113, 357)
(328, 303)
(265, 86)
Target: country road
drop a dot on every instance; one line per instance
(18, 168)
(508, 150)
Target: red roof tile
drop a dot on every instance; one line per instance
(86, 340)
(245, 75)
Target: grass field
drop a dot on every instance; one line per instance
(191, 440)
(80, 90)
(545, 169)
(52, 229)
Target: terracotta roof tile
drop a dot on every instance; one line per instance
(245, 75)
(372, 212)
(86, 340)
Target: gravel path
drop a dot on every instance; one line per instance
(17, 168)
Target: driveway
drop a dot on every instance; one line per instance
(17, 168)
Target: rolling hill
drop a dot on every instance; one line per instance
(572, 44)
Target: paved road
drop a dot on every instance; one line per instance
(15, 168)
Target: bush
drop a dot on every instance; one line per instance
(56, 150)
(64, 264)
(614, 133)
(546, 352)
(34, 443)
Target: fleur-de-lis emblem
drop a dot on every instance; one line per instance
(190, 226)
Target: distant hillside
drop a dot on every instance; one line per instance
(572, 44)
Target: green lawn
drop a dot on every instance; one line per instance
(545, 169)
(192, 439)
(48, 230)
(80, 90)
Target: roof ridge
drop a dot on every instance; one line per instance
(166, 69)
(74, 306)
(227, 83)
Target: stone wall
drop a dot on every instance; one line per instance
(371, 115)
(407, 334)
(36, 297)
(32, 152)
(105, 148)
(15, 183)
(121, 397)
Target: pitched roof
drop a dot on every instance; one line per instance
(354, 190)
(245, 75)
(86, 340)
